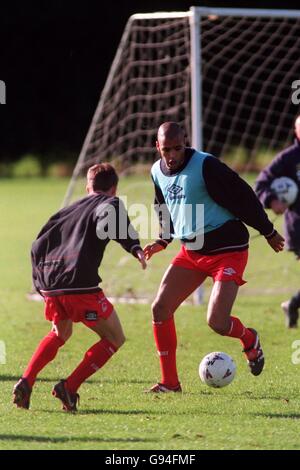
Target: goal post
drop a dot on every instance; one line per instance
(225, 74)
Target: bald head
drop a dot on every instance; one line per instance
(171, 144)
(170, 130)
(297, 127)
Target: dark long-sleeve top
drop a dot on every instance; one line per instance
(230, 191)
(69, 249)
(286, 163)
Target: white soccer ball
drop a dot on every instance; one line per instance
(217, 369)
(285, 189)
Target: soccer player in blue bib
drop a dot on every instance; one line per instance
(204, 204)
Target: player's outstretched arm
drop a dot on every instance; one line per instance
(276, 242)
(151, 249)
(142, 259)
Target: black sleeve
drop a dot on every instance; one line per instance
(166, 229)
(230, 191)
(265, 178)
(113, 223)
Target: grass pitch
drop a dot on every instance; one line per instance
(251, 413)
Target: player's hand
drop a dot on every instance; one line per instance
(141, 258)
(278, 206)
(276, 242)
(152, 249)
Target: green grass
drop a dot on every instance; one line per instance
(251, 413)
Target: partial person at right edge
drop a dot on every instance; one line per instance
(286, 163)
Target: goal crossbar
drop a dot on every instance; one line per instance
(206, 11)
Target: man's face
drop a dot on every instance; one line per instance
(297, 128)
(172, 151)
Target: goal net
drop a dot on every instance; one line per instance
(226, 75)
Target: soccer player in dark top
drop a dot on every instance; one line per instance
(65, 259)
(286, 163)
(214, 245)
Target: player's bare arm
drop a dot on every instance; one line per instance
(151, 249)
(142, 259)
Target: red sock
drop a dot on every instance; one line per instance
(94, 359)
(238, 330)
(45, 353)
(166, 344)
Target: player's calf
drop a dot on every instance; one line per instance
(291, 314)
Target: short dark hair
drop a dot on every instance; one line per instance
(102, 177)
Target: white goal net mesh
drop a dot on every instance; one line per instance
(248, 66)
(151, 84)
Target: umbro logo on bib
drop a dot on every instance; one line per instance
(175, 192)
(174, 189)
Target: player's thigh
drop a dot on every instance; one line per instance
(110, 328)
(221, 300)
(176, 285)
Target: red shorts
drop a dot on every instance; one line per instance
(223, 267)
(85, 308)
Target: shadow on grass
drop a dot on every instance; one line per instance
(245, 395)
(124, 412)
(101, 411)
(63, 439)
(255, 396)
(13, 378)
(278, 415)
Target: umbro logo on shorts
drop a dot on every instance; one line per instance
(91, 315)
(103, 304)
(229, 271)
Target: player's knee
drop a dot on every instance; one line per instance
(117, 339)
(218, 326)
(64, 334)
(120, 341)
(159, 310)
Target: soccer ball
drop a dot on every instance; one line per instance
(217, 369)
(285, 189)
